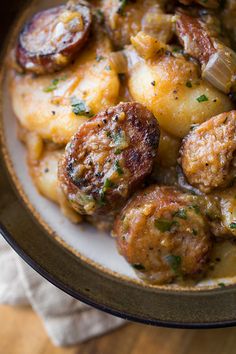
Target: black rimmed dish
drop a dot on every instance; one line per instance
(83, 277)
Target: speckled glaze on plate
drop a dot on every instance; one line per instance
(81, 261)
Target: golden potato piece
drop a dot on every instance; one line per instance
(54, 106)
(44, 173)
(171, 89)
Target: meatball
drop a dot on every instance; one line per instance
(163, 234)
(109, 158)
(208, 153)
(52, 37)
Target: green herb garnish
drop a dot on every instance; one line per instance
(118, 152)
(79, 108)
(189, 84)
(138, 266)
(99, 58)
(202, 98)
(118, 168)
(181, 213)
(54, 84)
(164, 225)
(196, 208)
(233, 225)
(222, 285)
(174, 262)
(52, 87)
(122, 5)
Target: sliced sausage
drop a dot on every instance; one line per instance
(194, 37)
(212, 4)
(52, 37)
(109, 158)
(163, 234)
(208, 153)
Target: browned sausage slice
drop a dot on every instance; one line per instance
(212, 4)
(208, 153)
(52, 37)
(163, 234)
(194, 37)
(109, 158)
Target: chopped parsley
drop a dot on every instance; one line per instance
(100, 16)
(118, 168)
(202, 98)
(189, 84)
(164, 225)
(121, 8)
(118, 152)
(79, 108)
(138, 266)
(196, 208)
(99, 58)
(181, 213)
(222, 285)
(119, 139)
(233, 225)
(107, 185)
(174, 262)
(54, 84)
(52, 87)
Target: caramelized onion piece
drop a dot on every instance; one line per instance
(118, 61)
(220, 70)
(52, 37)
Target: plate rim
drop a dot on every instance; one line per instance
(54, 279)
(60, 285)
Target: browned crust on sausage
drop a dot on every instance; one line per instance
(194, 37)
(116, 151)
(207, 153)
(48, 58)
(143, 242)
(212, 4)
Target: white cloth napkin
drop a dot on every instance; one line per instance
(66, 320)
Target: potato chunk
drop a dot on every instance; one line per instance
(54, 106)
(170, 87)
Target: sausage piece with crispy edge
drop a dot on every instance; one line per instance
(109, 158)
(212, 4)
(163, 235)
(50, 40)
(208, 153)
(193, 35)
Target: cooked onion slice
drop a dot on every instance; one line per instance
(118, 62)
(220, 70)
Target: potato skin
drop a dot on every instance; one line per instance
(162, 233)
(36, 50)
(109, 158)
(207, 153)
(171, 100)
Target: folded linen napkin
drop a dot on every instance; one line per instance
(66, 320)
